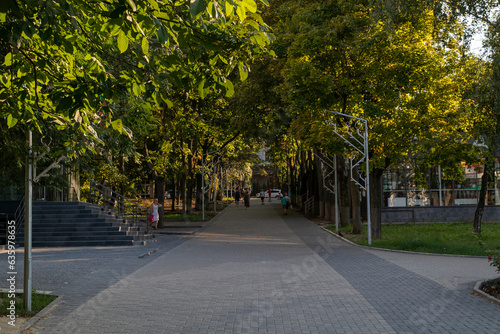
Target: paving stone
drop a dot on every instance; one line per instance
(256, 271)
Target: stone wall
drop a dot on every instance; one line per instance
(445, 214)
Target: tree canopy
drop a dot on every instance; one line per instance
(70, 64)
(162, 83)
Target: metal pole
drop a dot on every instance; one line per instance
(440, 187)
(336, 196)
(203, 187)
(27, 224)
(214, 186)
(367, 185)
(222, 187)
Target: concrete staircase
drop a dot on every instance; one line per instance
(74, 224)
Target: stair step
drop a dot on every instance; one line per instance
(62, 224)
(86, 243)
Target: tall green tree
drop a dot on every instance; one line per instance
(398, 67)
(61, 59)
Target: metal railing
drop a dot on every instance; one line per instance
(19, 216)
(106, 197)
(57, 194)
(300, 201)
(309, 206)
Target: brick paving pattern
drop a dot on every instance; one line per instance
(256, 271)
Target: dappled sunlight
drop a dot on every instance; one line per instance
(65, 260)
(238, 238)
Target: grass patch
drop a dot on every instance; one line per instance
(38, 303)
(197, 216)
(178, 217)
(449, 238)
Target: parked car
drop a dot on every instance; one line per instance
(276, 193)
(169, 194)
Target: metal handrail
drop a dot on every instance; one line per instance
(301, 200)
(108, 198)
(308, 206)
(19, 216)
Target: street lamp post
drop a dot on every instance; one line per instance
(360, 147)
(28, 201)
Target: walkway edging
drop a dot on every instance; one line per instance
(398, 251)
(478, 292)
(40, 314)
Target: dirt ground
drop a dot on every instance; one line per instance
(9, 329)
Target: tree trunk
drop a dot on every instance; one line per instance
(159, 188)
(343, 189)
(182, 181)
(478, 216)
(182, 192)
(376, 198)
(320, 188)
(199, 192)
(328, 205)
(303, 178)
(293, 180)
(122, 169)
(190, 179)
(174, 192)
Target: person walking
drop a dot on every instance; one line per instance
(153, 209)
(269, 192)
(237, 197)
(284, 202)
(262, 196)
(246, 198)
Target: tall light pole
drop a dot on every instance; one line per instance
(28, 202)
(337, 216)
(359, 142)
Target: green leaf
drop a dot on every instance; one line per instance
(229, 9)
(243, 71)
(8, 59)
(162, 34)
(270, 37)
(64, 104)
(145, 46)
(69, 76)
(154, 4)
(11, 121)
(241, 13)
(229, 88)
(117, 125)
(157, 98)
(197, 7)
(201, 89)
(136, 89)
(117, 12)
(122, 42)
(224, 60)
(167, 101)
(250, 5)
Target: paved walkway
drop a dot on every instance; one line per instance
(256, 271)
